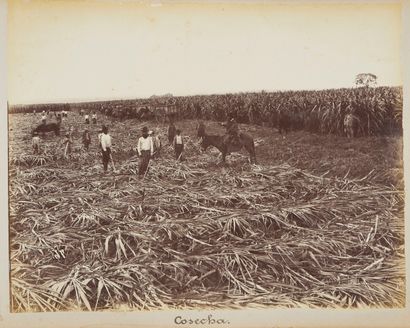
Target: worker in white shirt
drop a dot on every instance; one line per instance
(178, 145)
(94, 118)
(105, 147)
(145, 148)
(36, 143)
(44, 118)
(87, 119)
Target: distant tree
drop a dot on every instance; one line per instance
(366, 80)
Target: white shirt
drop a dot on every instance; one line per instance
(145, 144)
(178, 140)
(86, 116)
(94, 116)
(36, 140)
(105, 141)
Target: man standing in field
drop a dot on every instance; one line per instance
(178, 145)
(68, 141)
(94, 118)
(105, 147)
(156, 141)
(36, 143)
(145, 150)
(87, 119)
(86, 139)
(349, 123)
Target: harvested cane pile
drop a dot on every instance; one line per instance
(192, 234)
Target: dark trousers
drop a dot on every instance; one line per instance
(106, 158)
(94, 121)
(86, 145)
(178, 151)
(144, 161)
(87, 121)
(35, 149)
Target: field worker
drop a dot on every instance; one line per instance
(157, 144)
(105, 147)
(348, 124)
(68, 141)
(94, 118)
(171, 132)
(36, 143)
(86, 139)
(178, 145)
(34, 111)
(87, 119)
(232, 132)
(81, 112)
(44, 118)
(145, 150)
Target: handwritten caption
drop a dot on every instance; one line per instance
(209, 320)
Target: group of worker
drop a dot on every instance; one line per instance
(58, 115)
(87, 118)
(148, 146)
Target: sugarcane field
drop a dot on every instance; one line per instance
(240, 200)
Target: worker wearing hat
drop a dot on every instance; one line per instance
(106, 143)
(178, 145)
(145, 148)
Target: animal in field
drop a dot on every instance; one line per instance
(44, 128)
(284, 122)
(219, 142)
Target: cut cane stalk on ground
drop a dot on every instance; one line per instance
(194, 234)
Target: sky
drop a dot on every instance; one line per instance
(90, 50)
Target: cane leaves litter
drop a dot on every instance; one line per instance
(187, 236)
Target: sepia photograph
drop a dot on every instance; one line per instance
(168, 157)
